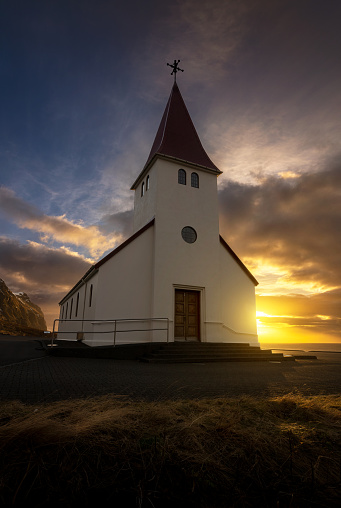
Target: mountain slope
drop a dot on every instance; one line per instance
(18, 311)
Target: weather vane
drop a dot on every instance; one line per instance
(175, 68)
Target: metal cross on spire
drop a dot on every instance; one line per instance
(175, 68)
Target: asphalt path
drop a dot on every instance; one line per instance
(29, 374)
(18, 349)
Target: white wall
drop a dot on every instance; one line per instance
(70, 326)
(125, 284)
(238, 299)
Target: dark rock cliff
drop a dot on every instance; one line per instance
(17, 311)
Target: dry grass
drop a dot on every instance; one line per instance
(280, 452)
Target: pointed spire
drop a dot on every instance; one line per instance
(177, 137)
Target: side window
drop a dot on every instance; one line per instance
(62, 314)
(67, 304)
(182, 176)
(90, 295)
(71, 308)
(195, 180)
(147, 183)
(77, 302)
(142, 189)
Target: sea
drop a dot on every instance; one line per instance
(331, 347)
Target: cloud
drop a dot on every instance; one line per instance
(204, 35)
(120, 222)
(59, 229)
(313, 315)
(292, 224)
(33, 266)
(321, 304)
(44, 273)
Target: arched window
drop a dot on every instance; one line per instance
(142, 189)
(77, 302)
(71, 308)
(90, 295)
(147, 183)
(182, 176)
(195, 180)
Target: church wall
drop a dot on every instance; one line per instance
(90, 311)
(71, 327)
(125, 283)
(238, 299)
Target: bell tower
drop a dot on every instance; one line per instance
(178, 188)
(179, 178)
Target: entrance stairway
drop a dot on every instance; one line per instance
(204, 352)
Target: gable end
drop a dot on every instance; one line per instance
(238, 261)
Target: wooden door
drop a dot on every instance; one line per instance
(187, 315)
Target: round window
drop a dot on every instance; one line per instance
(189, 234)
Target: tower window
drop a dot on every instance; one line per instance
(142, 189)
(182, 176)
(195, 180)
(147, 183)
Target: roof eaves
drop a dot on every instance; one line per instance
(90, 273)
(240, 263)
(94, 268)
(124, 244)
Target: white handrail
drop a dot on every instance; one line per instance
(115, 330)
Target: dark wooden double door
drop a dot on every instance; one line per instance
(187, 315)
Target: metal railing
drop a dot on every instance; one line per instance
(115, 330)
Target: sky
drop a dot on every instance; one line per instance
(83, 88)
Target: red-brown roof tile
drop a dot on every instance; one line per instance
(176, 136)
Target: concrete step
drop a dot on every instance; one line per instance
(212, 359)
(198, 352)
(207, 345)
(207, 351)
(201, 354)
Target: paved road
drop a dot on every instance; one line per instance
(28, 374)
(18, 349)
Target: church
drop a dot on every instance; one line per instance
(175, 278)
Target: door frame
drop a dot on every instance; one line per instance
(202, 308)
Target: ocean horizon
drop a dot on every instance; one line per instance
(328, 347)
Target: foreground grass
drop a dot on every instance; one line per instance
(280, 452)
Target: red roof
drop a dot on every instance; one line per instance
(176, 136)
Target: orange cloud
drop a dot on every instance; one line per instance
(290, 318)
(44, 273)
(59, 229)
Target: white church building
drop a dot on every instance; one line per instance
(175, 278)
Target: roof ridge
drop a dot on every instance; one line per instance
(166, 118)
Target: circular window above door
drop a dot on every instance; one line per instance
(189, 234)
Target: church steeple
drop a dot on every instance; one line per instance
(177, 137)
